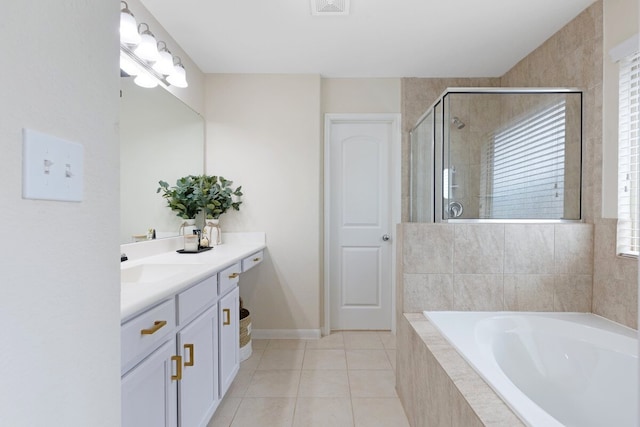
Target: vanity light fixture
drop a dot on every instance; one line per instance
(147, 59)
(128, 26)
(178, 77)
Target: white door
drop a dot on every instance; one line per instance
(359, 221)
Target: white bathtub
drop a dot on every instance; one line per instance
(552, 369)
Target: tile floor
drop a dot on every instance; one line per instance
(344, 379)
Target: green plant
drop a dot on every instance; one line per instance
(216, 196)
(184, 197)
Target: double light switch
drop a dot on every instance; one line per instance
(52, 168)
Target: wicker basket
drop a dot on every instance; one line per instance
(245, 327)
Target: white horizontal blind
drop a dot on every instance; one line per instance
(524, 167)
(628, 239)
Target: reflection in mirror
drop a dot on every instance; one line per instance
(161, 138)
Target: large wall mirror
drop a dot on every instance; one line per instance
(161, 138)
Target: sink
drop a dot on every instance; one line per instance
(148, 273)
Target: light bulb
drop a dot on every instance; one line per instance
(178, 77)
(146, 80)
(147, 49)
(128, 27)
(164, 65)
(128, 65)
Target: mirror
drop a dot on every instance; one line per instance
(161, 138)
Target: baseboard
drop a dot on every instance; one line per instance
(275, 334)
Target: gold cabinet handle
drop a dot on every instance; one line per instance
(178, 375)
(256, 259)
(156, 326)
(191, 355)
(234, 275)
(227, 314)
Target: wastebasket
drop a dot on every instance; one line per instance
(245, 333)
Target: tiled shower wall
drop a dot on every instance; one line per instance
(573, 57)
(520, 267)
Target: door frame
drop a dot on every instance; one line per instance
(394, 195)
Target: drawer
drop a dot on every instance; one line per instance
(252, 260)
(197, 298)
(142, 334)
(228, 278)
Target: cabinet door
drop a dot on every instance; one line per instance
(149, 394)
(229, 339)
(198, 389)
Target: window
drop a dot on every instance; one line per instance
(628, 241)
(523, 167)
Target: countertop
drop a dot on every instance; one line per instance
(136, 297)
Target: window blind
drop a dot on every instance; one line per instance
(628, 236)
(523, 167)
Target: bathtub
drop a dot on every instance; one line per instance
(551, 369)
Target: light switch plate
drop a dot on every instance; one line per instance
(52, 168)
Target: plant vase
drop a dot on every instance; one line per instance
(213, 231)
(187, 226)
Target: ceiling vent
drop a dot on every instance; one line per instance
(329, 7)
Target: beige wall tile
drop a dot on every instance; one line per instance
(529, 249)
(462, 414)
(528, 292)
(573, 248)
(478, 292)
(479, 248)
(428, 292)
(573, 292)
(428, 248)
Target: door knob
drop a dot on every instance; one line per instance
(386, 237)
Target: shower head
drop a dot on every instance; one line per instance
(459, 124)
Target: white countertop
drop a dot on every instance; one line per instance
(136, 297)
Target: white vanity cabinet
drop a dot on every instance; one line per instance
(149, 393)
(198, 395)
(229, 313)
(180, 356)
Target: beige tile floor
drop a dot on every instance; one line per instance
(344, 379)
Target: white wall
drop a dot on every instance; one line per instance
(620, 22)
(59, 278)
(263, 132)
(361, 95)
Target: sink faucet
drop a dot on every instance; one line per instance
(123, 257)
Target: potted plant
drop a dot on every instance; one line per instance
(183, 198)
(217, 197)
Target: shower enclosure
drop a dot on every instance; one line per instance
(498, 153)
